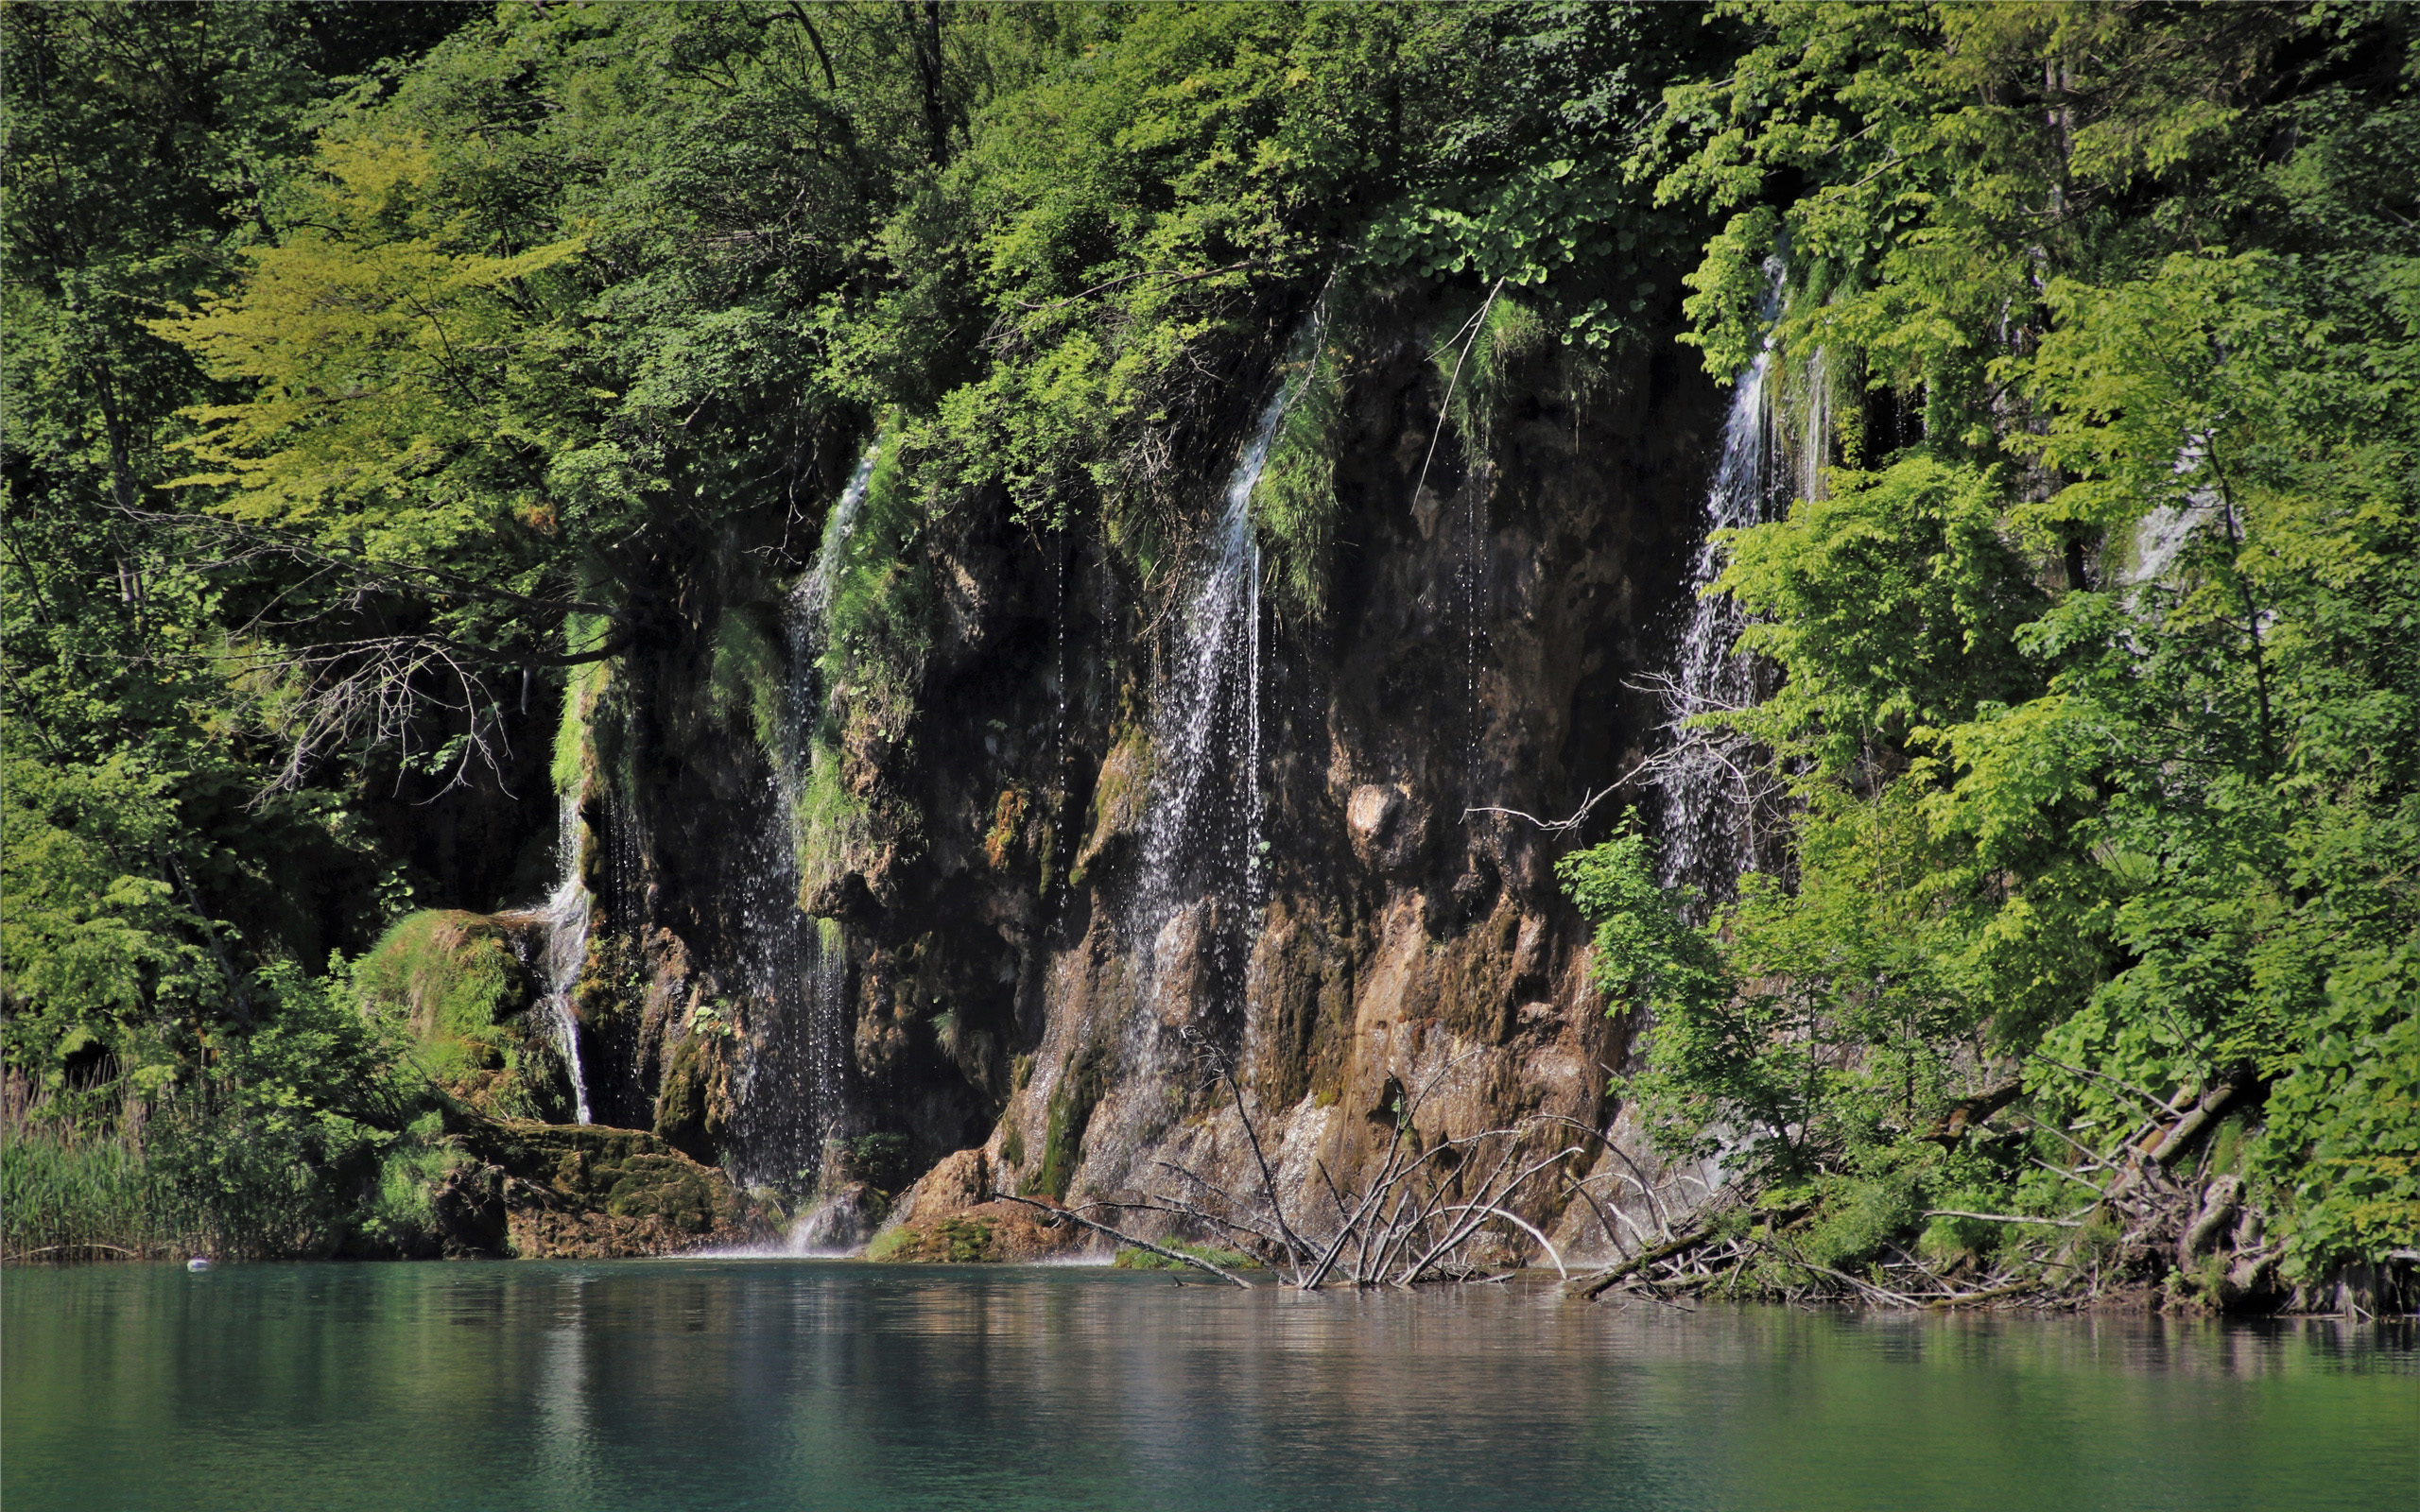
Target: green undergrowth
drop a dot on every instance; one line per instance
(878, 632)
(878, 620)
(835, 831)
(68, 1194)
(574, 765)
(1295, 505)
(953, 1240)
(748, 678)
(451, 977)
(452, 984)
(1490, 368)
(314, 1133)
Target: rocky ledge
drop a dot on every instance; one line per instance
(584, 1191)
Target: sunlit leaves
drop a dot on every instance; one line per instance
(404, 384)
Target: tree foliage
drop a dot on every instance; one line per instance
(361, 413)
(2098, 693)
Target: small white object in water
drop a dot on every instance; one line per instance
(197, 1262)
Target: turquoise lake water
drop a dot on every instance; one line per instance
(666, 1386)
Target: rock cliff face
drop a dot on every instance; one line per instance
(1484, 612)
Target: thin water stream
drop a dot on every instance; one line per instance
(1200, 881)
(1709, 794)
(798, 1087)
(690, 1385)
(563, 948)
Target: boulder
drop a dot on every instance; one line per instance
(957, 1183)
(989, 1233)
(838, 1222)
(590, 1193)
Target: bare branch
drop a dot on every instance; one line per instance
(1102, 1228)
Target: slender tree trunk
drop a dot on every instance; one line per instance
(114, 427)
(924, 42)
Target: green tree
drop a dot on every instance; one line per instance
(2096, 697)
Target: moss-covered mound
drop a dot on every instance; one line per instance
(698, 1099)
(587, 1192)
(1130, 1257)
(992, 1233)
(454, 980)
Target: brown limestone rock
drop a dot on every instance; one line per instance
(1389, 833)
(1121, 796)
(959, 1182)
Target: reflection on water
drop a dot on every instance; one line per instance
(664, 1386)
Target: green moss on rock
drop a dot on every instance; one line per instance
(693, 1106)
(1065, 1117)
(954, 1241)
(1122, 794)
(1133, 1258)
(991, 1233)
(589, 1191)
(454, 982)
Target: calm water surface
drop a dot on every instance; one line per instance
(662, 1385)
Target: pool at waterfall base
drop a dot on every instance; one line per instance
(748, 1383)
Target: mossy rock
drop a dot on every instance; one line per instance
(953, 1240)
(1121, 797)
(455, 982)
(579, 1191)
(1065, 1117)
(992, 1233)
(693, 1108)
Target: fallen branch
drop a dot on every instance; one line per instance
(1885, 1292)
(1988, 1295)
(2207, 1108)
(1613, 1276)
(2000, 1217)
(1139, 1243)
(2061, 1171)
(1571, 821)
(1970, 1112)
(1476, 325)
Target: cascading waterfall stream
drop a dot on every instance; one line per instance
(1203, 855)
(1708, 811)
(566, 919)
(796, 965)
(828, 954)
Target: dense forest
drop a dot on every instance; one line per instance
(391, 389)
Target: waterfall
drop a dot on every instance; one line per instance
(813, 595)
(564, 918)
(1708, 810)
(796, 965)
(1202, 856)
(827, 956)
(2161, 534)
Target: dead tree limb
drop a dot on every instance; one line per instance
(1106, 1232)
(1591, 1287)
(2001, 1217)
